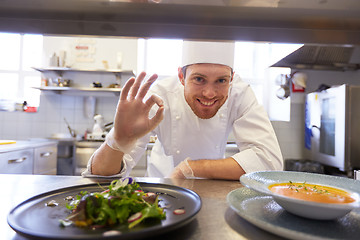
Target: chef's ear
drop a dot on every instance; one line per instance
(232, 75)
(181, 75)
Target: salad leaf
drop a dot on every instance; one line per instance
(115, 205)
(151, 211)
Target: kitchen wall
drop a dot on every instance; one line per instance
(55, 107)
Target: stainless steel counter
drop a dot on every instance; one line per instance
(214, 221)
(23, 144)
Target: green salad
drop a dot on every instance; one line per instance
(123, 202)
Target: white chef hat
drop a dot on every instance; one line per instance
(208, 52)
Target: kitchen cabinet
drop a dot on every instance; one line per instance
(29, 157)
(17, 162)
(45, 159)
(61, 71)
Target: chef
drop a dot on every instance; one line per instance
(191, 116)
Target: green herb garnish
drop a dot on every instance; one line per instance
(123, 202)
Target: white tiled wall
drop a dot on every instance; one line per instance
(50, 117)
(291, 134)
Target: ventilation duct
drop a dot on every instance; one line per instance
(318, 57)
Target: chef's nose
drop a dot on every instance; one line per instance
(209, 91)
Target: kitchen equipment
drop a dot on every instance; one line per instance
(99, 124)
(332, 129)
(332, 22)
(284, 91)
(83, 151)
(322, 57)
(99, 129)
(97, 85)
(65, 157)
(357, 174)
(108, 126)
(299, 79)
(72, 131)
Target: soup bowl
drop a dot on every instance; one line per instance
(261, 181)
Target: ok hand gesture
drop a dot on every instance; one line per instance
(132, 114)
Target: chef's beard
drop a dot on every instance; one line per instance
(199, 114)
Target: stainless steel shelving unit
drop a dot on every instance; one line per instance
(60, 71)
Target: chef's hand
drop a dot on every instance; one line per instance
(183, 170)
(132, 114)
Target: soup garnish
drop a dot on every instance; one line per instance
(312, 192)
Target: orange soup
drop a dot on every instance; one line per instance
(311, 192)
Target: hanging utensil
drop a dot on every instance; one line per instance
(72, 131)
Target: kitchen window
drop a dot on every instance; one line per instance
(252, 61)
(160, 56)
(19, 52)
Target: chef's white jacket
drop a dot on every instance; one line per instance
(182, 134)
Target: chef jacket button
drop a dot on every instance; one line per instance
(177, 152)
(222, 115)
(217, 146)
(177, 117)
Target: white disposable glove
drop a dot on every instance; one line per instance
(183, 170)
(132, 114)
(111, 142)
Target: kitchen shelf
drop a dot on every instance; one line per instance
(60, 70)
(61, 90)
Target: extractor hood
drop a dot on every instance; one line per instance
(322, 57)
(287, 21)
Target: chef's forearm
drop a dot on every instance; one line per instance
(106, 161)
(227, 169)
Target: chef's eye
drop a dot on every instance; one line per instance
(199, 79)
(223, 80)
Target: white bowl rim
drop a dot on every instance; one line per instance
(264, 189)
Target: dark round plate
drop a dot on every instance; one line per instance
(33, 219)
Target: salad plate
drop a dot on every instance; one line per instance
(262, 211)
(34, 219)
(260, 181)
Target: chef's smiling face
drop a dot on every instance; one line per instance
(206, 87)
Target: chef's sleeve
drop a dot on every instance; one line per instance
(259, 149)
(129, 160)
